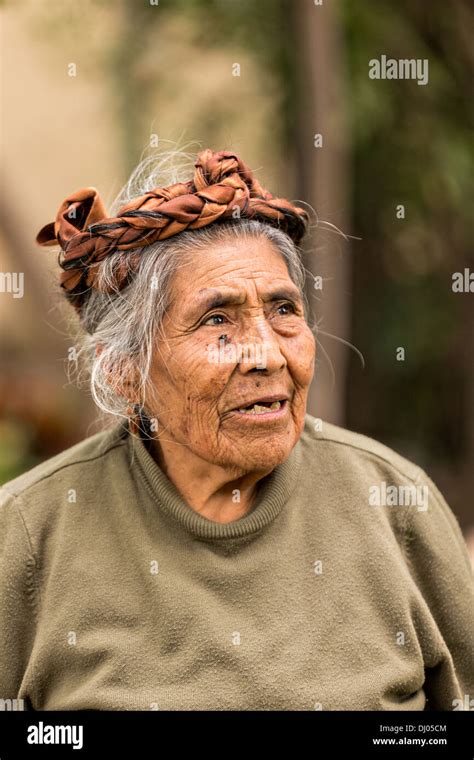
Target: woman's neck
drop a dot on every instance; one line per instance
(217, 493)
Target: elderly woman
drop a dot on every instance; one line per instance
(218, 548)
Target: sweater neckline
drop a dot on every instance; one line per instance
(272, 495)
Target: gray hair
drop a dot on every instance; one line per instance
(119, 329)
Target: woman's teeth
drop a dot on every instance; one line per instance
(260, 409)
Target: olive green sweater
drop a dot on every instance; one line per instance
(346, 587)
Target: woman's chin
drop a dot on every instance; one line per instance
(252, 453)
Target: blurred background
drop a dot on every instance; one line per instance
(89, 87)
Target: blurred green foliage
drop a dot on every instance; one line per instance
(412, 145)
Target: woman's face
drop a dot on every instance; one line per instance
(240, 289)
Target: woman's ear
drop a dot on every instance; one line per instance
(130, 392)
(122, 379)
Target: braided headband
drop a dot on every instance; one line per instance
(221, 183)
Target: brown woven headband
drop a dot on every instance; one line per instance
(221, 183)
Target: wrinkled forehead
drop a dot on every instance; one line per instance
(228, 271)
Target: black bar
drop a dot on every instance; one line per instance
(316, 734)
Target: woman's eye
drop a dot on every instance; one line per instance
(209, 321)
(287, 307)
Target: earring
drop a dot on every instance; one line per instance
(132, 408)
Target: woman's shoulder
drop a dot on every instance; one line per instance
(389, 485)
(361, 465)
(340, 445)
(86, 455)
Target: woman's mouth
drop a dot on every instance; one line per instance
(264, 409)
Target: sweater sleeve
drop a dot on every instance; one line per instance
(17, 597)
(439, 562)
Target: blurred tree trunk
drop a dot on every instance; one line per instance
(322, 174)
(467, 510)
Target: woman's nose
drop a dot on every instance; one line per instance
(260, 350)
